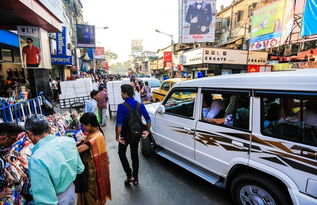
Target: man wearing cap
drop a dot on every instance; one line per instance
(53, 165)
(31, 53)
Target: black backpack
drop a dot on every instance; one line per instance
(134, 127)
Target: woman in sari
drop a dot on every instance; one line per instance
(94, 184)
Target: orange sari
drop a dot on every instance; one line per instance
(97, 165)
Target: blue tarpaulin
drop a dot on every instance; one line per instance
(309, 18)
(9, 38)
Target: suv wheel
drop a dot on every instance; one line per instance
(251, 189)
(147, 146)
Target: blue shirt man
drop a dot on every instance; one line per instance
(127, 92)
(53, 165)
(92, 105)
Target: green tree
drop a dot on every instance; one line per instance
(110, 55)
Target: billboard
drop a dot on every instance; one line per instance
(136, 47)
(267, 26)
(100, 53)
(85, 36)
(197, 20)
(309, 18)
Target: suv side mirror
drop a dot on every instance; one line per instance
(161, 109)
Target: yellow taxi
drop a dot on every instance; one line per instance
(160, 93)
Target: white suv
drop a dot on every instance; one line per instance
(253, 133)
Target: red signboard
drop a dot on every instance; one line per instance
(100, 53)
(168, 57)
(253, 68)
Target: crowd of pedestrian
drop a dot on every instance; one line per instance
(37, 167)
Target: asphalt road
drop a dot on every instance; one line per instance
(160, 181)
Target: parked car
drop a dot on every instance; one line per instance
(161, 92)
(252, 133)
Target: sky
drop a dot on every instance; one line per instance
(133, 19)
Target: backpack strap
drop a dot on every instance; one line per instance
(136, 111)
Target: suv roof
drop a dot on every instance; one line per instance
(300, 80)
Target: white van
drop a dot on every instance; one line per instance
(253, 133)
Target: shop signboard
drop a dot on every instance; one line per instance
(100, 53)
(257, 57)
(193, 57)
(267, 26)
(85, 36)
(61, 42)
(253, 69)
(61, 60)
(160, 64)
(168, 57)
(282, 67)
(197, 20)
(309, 18)
(224, 56)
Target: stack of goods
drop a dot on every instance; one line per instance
(114, 94)
(16, 170)
(76, 88)
(66, 124)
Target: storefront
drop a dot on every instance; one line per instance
(216, 61)
(10, 61)
(32, 20)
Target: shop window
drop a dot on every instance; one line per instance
(181, 103)
(290, 118)
(7, 55)
(226, 109)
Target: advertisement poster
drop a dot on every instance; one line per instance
(267, 26)
(86, 36)
(29, 35)
(136, 47)
(309, 18)
(197, 23)
(100, 53)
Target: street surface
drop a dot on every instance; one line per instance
(160, 181)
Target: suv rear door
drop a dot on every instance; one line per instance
(223, 138)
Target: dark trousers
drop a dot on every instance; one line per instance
(134, 156)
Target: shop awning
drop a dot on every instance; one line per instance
(9, 38)
(229, 42)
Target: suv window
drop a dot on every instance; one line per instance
(226, 109)
(181, 103)
(290, 118)
(166, 86)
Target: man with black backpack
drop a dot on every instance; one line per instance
(129, 130)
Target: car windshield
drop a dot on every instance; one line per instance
(154, 83)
